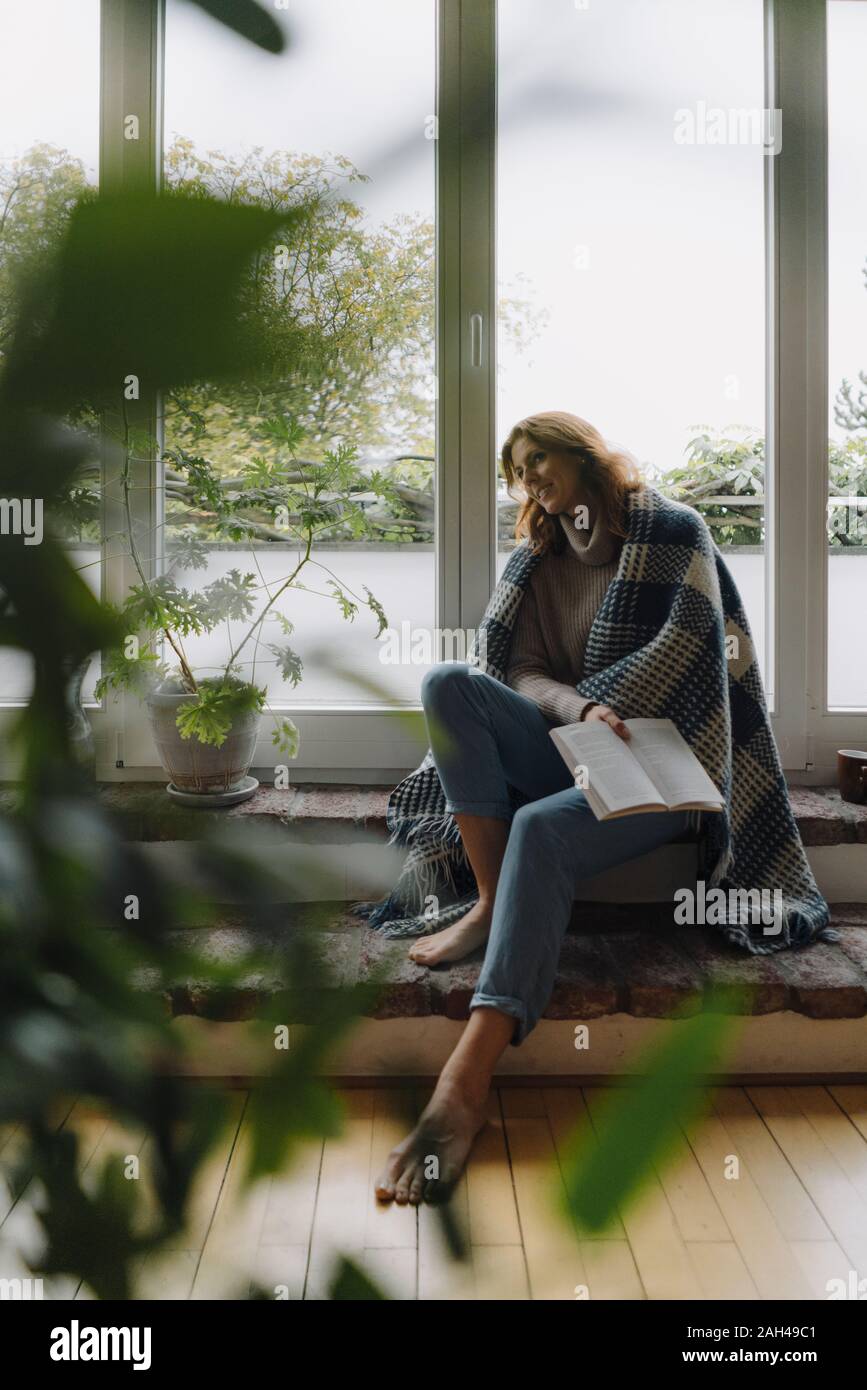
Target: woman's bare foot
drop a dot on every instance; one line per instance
(456, 941)
(427, 1164)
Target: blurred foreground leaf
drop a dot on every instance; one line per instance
(142, 284)
(247, 19)
(351, 1284)
(642, 1123)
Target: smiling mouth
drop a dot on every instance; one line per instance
(542, 491)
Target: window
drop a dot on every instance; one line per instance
(346, 114)
(631, 163)
(609, 187)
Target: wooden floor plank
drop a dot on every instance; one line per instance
(762, 1245)
(168, 1273)
(841, 1206)
(570, 1121)
(500, 1274)
(345, 1194)
(291, 1200)
(393, 1270)
(522, 1102)
(229, 1253)
(694, 1206)
(611, 1271)
(280, 1270)
(836, 1131)
(555, 1266)
(720, 1270)
(852, 1099)
(822, 1261)
(226, 1266)
(168, 1276)
(207, 1186)
(782, 1191)
(493, 1215)
(657, 1246)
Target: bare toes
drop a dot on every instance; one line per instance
(416, 952)
(386, 1183)
(410, 1175)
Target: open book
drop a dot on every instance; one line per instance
(656, 770)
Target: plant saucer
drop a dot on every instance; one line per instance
(243, 792)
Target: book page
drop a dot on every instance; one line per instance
(668, 759)
(613, 773)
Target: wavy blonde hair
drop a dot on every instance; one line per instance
(605, 475)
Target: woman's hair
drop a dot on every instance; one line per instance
(605, 475)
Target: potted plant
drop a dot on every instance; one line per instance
(206, 726)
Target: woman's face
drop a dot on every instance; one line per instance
(550, 477)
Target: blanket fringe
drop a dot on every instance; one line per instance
(435, 871)
(377, 913)
(436, 856)
(442, 828)
(423, 926)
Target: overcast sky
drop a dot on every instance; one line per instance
(645, 252)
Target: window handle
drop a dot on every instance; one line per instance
(476, 329)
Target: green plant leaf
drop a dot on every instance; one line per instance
(347, 607)
(249, 20)
(641, 1123)
(378, 611)
(286, 738)
(230, 597)
(351, 1284)
(174, 262)
(218, 704)
(288, 661)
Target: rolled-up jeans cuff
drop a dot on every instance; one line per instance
(504, 1005)
(500, 810)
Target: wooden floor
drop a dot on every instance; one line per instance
(793, 1217)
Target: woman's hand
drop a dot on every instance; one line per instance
(608, 716)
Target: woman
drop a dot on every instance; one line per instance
(615, 605)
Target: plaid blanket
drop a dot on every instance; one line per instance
(657, 649)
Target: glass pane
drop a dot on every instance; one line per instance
(630, 246)
(847, 351)
(345, 114)
(49, 153)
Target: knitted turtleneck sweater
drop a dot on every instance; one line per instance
(546, 658)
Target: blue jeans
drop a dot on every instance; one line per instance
(485, 737)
